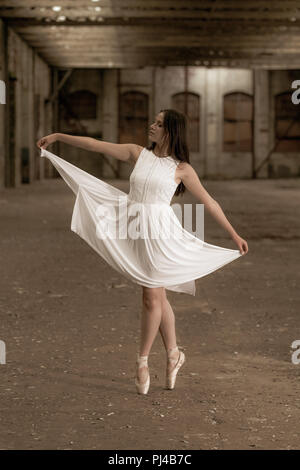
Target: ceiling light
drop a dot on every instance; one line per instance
(56, 8)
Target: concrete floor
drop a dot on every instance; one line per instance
(71, 328)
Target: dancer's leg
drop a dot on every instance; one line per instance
(168, 332)
(167, 324)
(150, 321)
(151, 318)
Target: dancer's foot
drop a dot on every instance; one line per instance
(176, 359)
(142, 380)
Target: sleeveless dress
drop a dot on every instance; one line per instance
(138, 234)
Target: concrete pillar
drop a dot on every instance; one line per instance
(261, 120)
(30, 85)
(110, 124)
(20, 133)
(3, 77)
(212, 122)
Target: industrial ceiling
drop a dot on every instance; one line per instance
(138, 33)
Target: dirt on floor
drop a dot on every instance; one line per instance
(70, 324)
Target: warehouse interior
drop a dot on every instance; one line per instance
(69, 321)
(105, 68)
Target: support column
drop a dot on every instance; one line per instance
(110, 116)
(31, 136)
(3, 77)
(261, 143)
(212, 97)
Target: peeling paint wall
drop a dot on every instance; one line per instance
(27, 75)
(282, 164)
(211, 84)
(31, 77)
(71, 122)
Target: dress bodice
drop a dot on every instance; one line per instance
(153, 178)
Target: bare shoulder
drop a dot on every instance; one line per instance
(184, 168)
(135, 151)
(181, 171)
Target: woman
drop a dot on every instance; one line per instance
(160, 171)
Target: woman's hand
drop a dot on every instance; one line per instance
(47, 140)
(242, 244)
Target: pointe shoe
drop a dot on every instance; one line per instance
(142, 387)
(176, 363)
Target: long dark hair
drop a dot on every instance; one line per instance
(175, 125)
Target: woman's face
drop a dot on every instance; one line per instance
(157, 132)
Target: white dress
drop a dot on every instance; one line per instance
(139, 234)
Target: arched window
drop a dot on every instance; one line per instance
(189, 104)
(238, 122)
(287, 123)
(133, 124)
(83, 103)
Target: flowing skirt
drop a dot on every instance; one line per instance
(145, 243)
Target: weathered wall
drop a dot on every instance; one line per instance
(33, 84)
(162, 83)
(212, 84)
(28, 74)
(82, 79)
(287, 163)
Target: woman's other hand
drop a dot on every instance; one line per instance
(242, 244)
(47, 140)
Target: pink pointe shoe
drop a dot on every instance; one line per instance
(142, 387)
(175, 361)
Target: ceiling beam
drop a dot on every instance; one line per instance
(189, 55)
(76, 14)
(161, 29)
(278, 64)
(256, 33)
(203, 4)
(189, 41)
(211, 25)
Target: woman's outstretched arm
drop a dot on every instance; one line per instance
(191, 181)
(124, 152)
